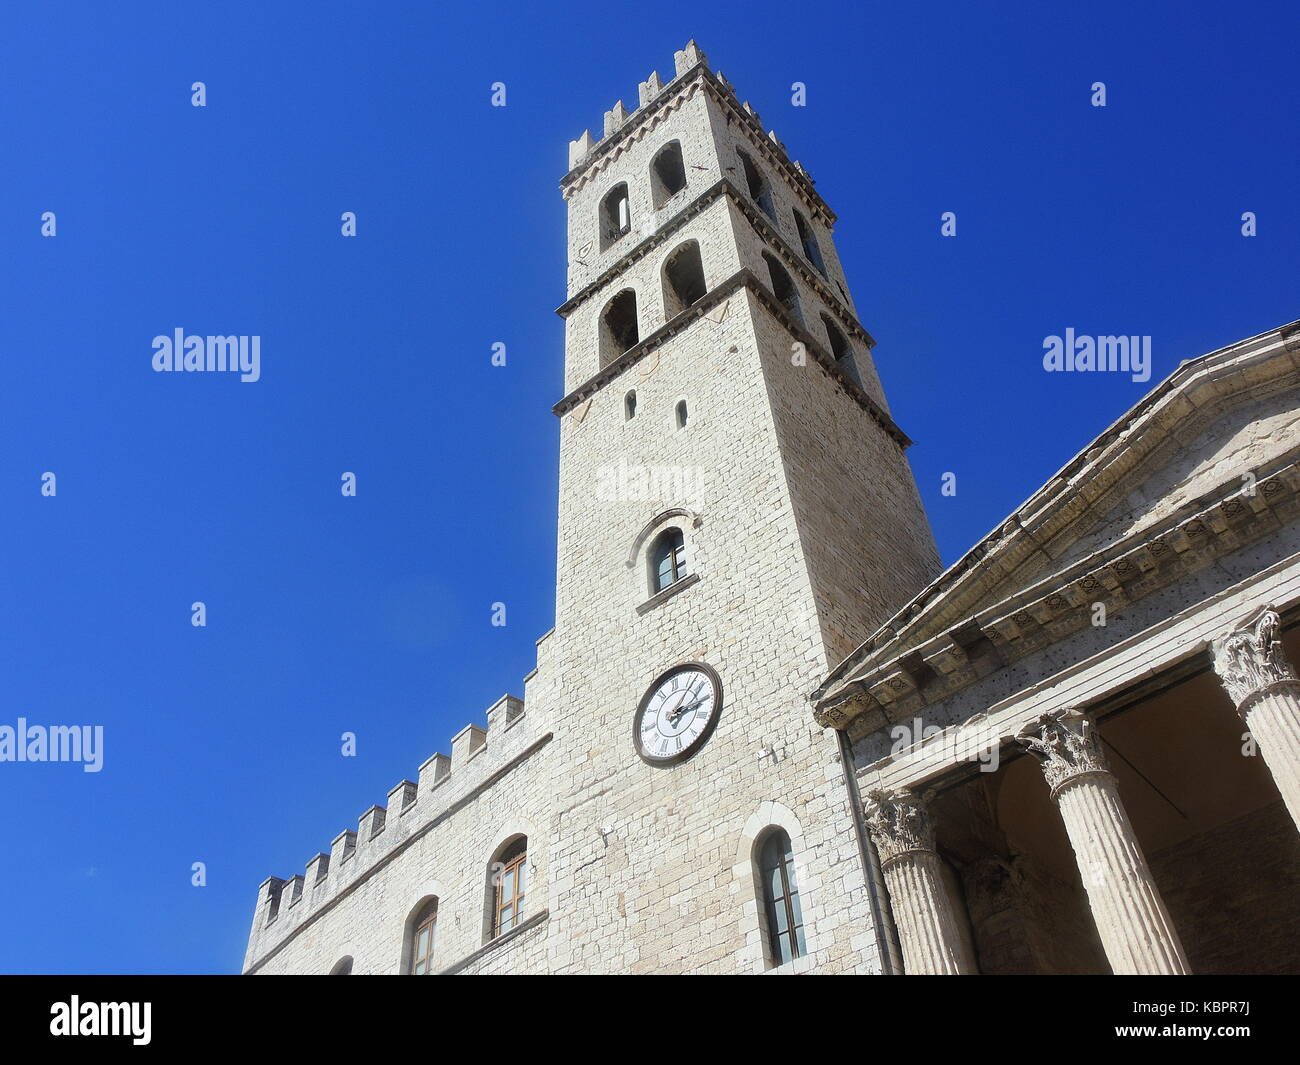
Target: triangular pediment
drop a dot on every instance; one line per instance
(1217, 427)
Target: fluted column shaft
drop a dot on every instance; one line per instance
(928, 931)
(1130, 915)
(1264, 687)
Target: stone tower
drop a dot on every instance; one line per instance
(719, 384)
(736, 515)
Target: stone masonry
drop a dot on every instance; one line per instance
(803, 532)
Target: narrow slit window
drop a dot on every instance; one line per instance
(681, 414)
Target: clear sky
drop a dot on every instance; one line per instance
(372, 614)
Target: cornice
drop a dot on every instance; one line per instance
(743, 278)
(761, 225)
(1165, 420)
(1053, 609)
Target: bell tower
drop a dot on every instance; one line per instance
(736, 514)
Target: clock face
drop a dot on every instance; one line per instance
(677, 714)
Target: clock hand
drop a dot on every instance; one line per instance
(673, 715)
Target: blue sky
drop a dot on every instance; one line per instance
(371, 614)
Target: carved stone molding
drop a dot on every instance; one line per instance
(1250, 660)
(900, 823)
(1066, 741)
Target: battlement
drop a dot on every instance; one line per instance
(478, 756)
(618, 121)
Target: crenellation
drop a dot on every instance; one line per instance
(504, 713)
(343, 848)
(615, 117)
(317, 870)
(402, 797)
(291, 892)
(466, 745)
(796, 461)
(688, 57)
(434, 771)
(580, 149)
(371, 824)
(650, 88)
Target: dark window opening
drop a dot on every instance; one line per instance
(629, 406)
(667, 174)
(783, 287)
(808, 239)
(758, 187)
(683, 279)
(618, 327)
(842, 350)
(615, 216)
(681, 414)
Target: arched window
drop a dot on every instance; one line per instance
(615, 215)
(509, 875)
(629, 405)
(841, 349)
(757, 185)
(667, 174)
(618, 327)
(783, 287)
(423, 932)
(681, 412)
(809, 241)
(342, 967)
(667, 559)
(785, 934)
(683, 279)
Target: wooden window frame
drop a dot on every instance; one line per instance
(515, 902)
(430, 923)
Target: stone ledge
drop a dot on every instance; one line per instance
(667, 593)
(532, 922)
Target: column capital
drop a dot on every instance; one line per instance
(1067, 743)
(899, 821)
(1250, 660)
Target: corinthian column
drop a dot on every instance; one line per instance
(1131, 918)
(1263, 685)
(923, 912)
